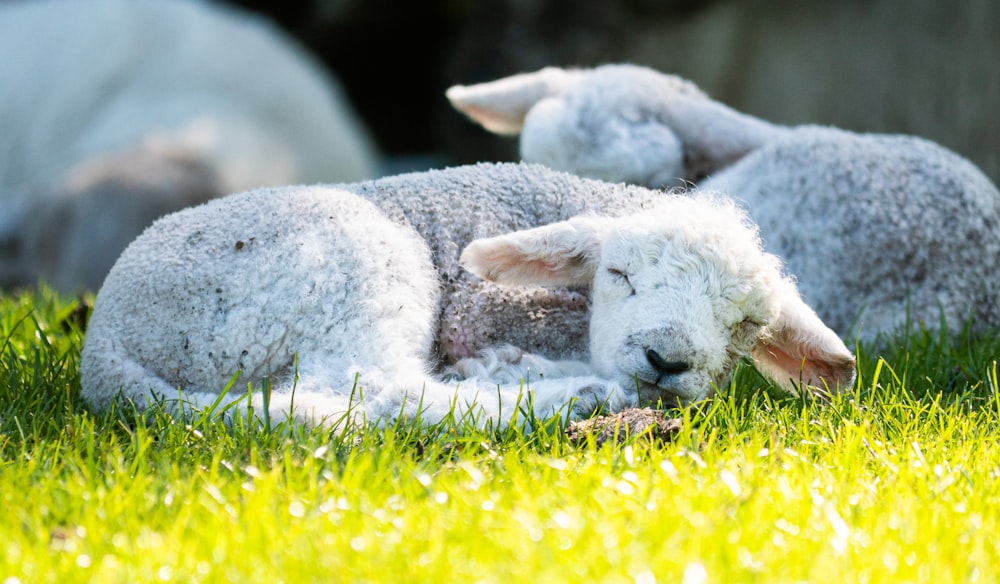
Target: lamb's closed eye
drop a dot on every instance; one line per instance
(621, 276)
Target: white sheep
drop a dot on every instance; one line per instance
(115, 112)
(879, 230)
(317, 289)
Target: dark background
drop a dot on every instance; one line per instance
(925, 67)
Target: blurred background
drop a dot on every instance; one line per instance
(924, 67)
(114, 113)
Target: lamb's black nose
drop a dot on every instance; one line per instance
(665, 367)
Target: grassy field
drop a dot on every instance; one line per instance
(897, 480)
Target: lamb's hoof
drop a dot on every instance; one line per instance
(450, 376)
(633, 422)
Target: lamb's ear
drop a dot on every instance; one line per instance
(798, 350)
(500, 106)
(559, 254)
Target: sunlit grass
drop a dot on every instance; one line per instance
(896, 480)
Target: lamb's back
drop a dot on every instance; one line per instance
(865, 221)
(453, 206)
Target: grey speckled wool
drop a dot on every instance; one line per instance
(451, 207)
(877, 229)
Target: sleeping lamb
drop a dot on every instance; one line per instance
(321, 283)
(115, 112)
(878, 230)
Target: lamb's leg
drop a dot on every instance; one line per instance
(578, 396)
(378, 396)
(312, 408)
(350, 396)
(508, 364)
(478, 400)
(110, 372)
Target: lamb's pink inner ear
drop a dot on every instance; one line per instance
(500, 106)
(561, 254)
(497, 108)
(823, 373)
(502, 261)
(499, 122)
(799, 350)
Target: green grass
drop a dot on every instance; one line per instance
(896, 480)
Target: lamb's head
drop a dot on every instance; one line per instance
(611, 123)
(679, 294)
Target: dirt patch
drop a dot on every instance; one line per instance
(648, 423)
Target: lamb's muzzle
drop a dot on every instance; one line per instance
(664, 367)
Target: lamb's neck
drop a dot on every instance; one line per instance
(715, 136)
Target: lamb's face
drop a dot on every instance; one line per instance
(577, 132)
(610, 123)
(669, 319)
(679, 294)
